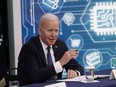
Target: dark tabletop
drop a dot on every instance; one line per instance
(103, 82)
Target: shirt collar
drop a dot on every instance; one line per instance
(43, 44)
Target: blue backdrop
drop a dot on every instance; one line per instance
(86, 25)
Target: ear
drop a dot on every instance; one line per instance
(39, 31)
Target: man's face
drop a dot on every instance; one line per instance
(49, 32)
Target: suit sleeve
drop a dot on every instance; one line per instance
(31, 66)
(72, 64)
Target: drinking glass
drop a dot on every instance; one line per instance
(89, 73)
(13, 83)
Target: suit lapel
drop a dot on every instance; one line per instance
(41, 52)
(55, 49)
(40, 49)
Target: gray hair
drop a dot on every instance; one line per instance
(47, 17)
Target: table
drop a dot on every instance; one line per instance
(104, 82)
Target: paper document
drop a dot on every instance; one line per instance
(79, 78)
(61, 84)
(83, 78)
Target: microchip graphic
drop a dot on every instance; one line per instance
(103, 18)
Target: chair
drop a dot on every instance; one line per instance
(11, 75)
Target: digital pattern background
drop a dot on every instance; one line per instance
(86, 25)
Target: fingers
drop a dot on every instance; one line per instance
(68, 56)
(71, 74)
(73, 53)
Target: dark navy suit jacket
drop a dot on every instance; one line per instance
(32, 66)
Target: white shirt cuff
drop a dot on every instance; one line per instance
(58, 67)
(79, 74)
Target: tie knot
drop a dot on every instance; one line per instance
(48, 48)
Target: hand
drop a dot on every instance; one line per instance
(71, 74)
(68, 55)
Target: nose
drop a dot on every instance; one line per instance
(54, 34)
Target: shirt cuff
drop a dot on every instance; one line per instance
(58, 67)
(78, 73)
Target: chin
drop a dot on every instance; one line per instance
(51, 43)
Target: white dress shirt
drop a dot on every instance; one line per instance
(57, 65)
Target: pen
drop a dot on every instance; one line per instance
(77, 51)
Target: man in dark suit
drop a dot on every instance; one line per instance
(33, 64)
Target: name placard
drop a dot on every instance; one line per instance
(61, 84)
(113, 74)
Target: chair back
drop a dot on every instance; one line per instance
(11, 75)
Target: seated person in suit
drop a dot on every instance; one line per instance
(33, 65)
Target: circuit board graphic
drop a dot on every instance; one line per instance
(86, 25)
(103, 18)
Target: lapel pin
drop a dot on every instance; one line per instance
(56, 46)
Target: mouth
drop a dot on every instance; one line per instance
(52, 40)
